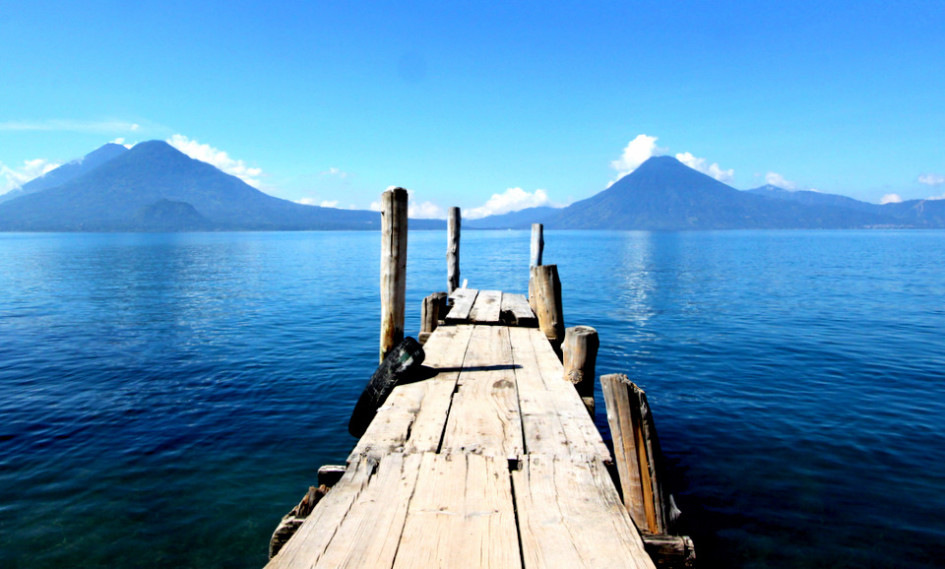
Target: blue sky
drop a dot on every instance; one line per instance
(331, 103)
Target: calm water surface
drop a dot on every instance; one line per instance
(165, 399)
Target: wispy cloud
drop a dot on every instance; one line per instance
(778, 180)
(102, 127)
(216, 157)
(121, 140)
(890, 198)
(932, 179)
(12, 178)
(334, 172)
(512, 199)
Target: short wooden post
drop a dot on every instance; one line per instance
(393, 267)
(545, 291)
(433, 310)
(580, 356)
(452, 251)
(637, 453)
(538, 244)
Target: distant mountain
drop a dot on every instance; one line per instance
(153, 186)
(516, 219)
(67, 172)
(809, 197)
(664, 194)
(921, 214)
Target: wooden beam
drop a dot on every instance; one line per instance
(637, 452)
(393, 267)
(545, 289)
(670, 551)
(579, 353)
(452, 250)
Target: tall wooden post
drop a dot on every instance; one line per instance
(538, 244)
(393, 267)
(452, 251)
(546, 302)
(580, 356)
(637, 453)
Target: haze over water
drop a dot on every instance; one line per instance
(166, 398)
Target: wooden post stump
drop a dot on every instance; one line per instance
(545, 292)
(637, 453)
(433, 310)
(393, 267)
(580, 357)
(452, 250)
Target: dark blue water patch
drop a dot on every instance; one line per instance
(165, 399)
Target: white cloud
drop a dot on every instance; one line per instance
(334, 172)
(329, 203)
(701, 165)
(107, 126)
(512, 199)
(637, 151)
(425, 210)
(11, 178)
(216, 157)
(778, 180)
(375, 206)
(890, 198)
(932, 179)
(121, 140)
(319, 203)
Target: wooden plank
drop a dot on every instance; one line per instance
(463, 299)
(515, 311)
(461, 515)
(369, 535)
(446, 350)
(484, 417)
(414, 415)
(570, 516)
(312, 538)
(487, 308)
(554, 419)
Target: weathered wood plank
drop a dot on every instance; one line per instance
(463, 299)
(570, 516)
(312, 538)
(484, 416)
(516, 311)
(461, 515)
(555, 421)
(487, 308)
(369, 535)
(414, 415)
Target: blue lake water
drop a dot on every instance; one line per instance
(166, 398)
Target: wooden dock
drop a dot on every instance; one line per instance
(485, 457)
(492, 462)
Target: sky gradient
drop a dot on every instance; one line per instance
(329, 104)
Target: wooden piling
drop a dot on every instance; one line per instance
(433, 310)
(637, 453)
(452, 250)
(538, 244)
(545, 298)
(579, 353)
(393, 267)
